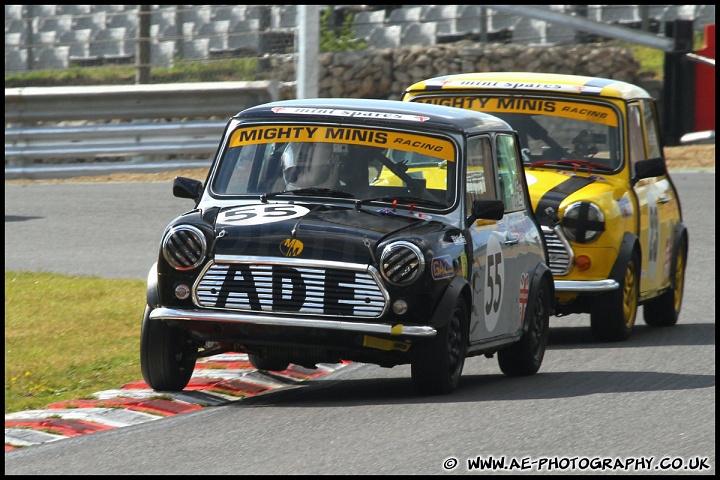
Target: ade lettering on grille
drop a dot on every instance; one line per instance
(281, 288)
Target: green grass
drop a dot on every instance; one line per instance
(243, 69)
(652, 60)
(69, 337)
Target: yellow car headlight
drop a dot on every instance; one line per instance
(583, 222)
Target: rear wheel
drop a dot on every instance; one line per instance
(437, 363)
(664, 311)
(614, 314)
(267, 363)
(525, 356)
(167, 356)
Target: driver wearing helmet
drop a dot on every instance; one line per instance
(584, 144)
(310, 165)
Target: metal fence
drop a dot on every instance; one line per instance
(48, 130)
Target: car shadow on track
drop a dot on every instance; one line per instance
(642, 336)
(480, 388)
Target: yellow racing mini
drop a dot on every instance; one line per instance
(609, 212)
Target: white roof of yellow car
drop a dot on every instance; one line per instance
(532, 81)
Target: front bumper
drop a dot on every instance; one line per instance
(323, 324)
(591, 286)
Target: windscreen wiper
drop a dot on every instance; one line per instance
(407, 200)
(310, 191)
(576, 163)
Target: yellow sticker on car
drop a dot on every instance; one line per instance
(408, 142)
(556, 108)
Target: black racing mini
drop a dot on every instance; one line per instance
(335, 230)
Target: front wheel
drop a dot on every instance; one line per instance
(614, 314)
(437, 363)
(167, 356)
(664, 311)
(525, 356)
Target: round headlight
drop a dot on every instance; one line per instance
(401, 263)
(184, 247)
(583, 222)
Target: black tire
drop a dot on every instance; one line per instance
(167, 357)
(437, 363)
(265, 363)
(525, 356)
(615, 312)
(664, 311)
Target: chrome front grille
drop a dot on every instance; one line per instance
(292, 288)
(559, 251)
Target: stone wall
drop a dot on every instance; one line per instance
(385, 73)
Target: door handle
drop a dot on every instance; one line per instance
(511, 240)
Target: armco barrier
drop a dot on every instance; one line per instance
(30, 105)
(117, 140)
(131, 121)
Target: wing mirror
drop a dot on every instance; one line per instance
(486, 209)
(652, 167)
(184, 187)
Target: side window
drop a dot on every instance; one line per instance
(235, 169)
(509, 173)
(635, 136)
(651, 130)
(479, 179)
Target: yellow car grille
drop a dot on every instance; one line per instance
(560, 255)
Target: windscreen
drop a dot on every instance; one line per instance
(345, 162)
(552, 129)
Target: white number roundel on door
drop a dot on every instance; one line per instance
(494, 282)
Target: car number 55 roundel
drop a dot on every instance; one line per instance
(261, 214)
(495, 267)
